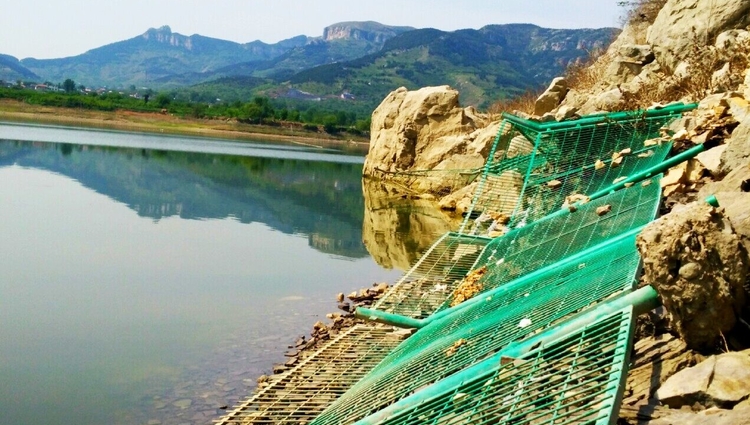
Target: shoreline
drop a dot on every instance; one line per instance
(155, 123)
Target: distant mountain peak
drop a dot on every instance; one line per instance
(366, 30)
(165, 35)
(164, 29)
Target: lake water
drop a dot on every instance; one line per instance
(143, 285)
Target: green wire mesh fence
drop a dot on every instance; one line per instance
(298, 395)
(534, 171)
(576, 379)
(456, 341)
(523, 182)
(519, 252)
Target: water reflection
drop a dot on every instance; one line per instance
(141, 285)
(397, 230)
(320, 199)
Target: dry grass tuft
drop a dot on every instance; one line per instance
(584, 75)
(523, 103)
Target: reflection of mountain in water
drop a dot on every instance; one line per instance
(322, 200)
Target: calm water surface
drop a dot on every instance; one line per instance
(143, 285)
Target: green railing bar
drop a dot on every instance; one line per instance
(598, 118)
(641, 301)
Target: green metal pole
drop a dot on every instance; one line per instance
(388, 318)
(597, 118)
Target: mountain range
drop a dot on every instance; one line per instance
(363, 59)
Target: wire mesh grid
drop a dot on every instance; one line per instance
(455, 342)
(574, 380)
(430, 285)
(549, 240)
(517, 186)
(301, 393)
(426, 285)
(558, 163)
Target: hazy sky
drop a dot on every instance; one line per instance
(54, 28)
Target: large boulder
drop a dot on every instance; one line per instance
(417, 130)
(681, 25)
(698, 265)
(733, 194)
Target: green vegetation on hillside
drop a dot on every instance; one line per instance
(260, 110)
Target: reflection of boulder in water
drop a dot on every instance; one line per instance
(397, 230)
(345, 247)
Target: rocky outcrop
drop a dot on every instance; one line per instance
(551, 97)
(738, 148)
(721, 381)
(695, 260)
(683, 25)
(371, 31)
(418, 130)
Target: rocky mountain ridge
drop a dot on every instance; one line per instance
(365, 59)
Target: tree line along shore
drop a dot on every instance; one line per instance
(159, 113)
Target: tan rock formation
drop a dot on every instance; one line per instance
(721, 381)
(417, 130)
(684, 24)
(551, 97)
(690, 256)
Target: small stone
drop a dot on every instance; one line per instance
(628, 184)
(340, 297)
(279, 368)
(554, 184)
(616, 162)
(680, 135)
(599, 164)
(344, 306)
(495, 234)
(619, 179)
(646, 154)
(652, 142)
(626, 152)
(604, 209)
(524, 323)
(319, 325)
(183, 403)
(646, 183)
(382, 287)
(353, 296)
